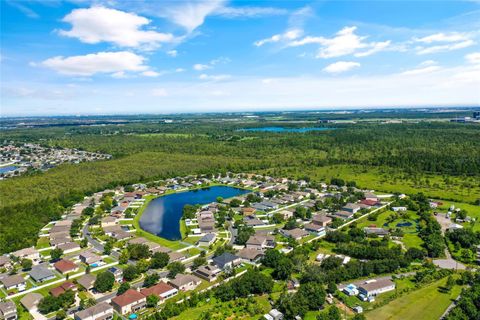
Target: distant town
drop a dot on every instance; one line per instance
(17, 159)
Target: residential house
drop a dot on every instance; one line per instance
(248, 211)
(399, 209)
(351, 207)
(207, 272)
(371, 196)
(343, 214)
(5, 262)
(61, 289)
(109, 222)
(41, 273)
(8, 310)
(88, 257)
(296, 233)
(176, 256)
(226, 260)
(207, 239)
(161, 290)
(259, 242)
(31, 300)
(375, 287)
(65, 266)
(252, 221)
(185, 282)
(87, 281)
(27, 253)
(321, 220)
(15, 281)
(274, 314)
(286, 214)
(101, 311)
(69, 247)
(381, 232)
(129, 302)
(251, 255)
(117, 273)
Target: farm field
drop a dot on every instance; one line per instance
(424, 304)
(394, 180)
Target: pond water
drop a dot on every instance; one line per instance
(7, 169)
(162, 215)
(286, 129)
(404, 224)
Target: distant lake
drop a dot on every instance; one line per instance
(286, 129)
(7, 169)
(162, 215)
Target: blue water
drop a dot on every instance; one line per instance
(162, 215)
(285, 129)
(7, 169)
(404, 224)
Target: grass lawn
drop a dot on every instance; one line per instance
(394, 180)
(254, 308)
(423, 304)
(43, 242)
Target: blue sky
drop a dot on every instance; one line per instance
(106, 57)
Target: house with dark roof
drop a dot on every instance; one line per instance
(41, 273)
(226, 260)
(207, 239)
(207, 272)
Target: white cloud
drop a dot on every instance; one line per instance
(210, 64)
(172, 53)
(345, 42)
(445, 47)
(180, 70)
(201, 67)
(248, 11)
(473, 57)
(443, 42)
(216, 77)
(100, 24)
(341, 66)
(421, 70)
(191, 15)
(101, 62)
(443, 37)
(159, 92)
(375, 47)
(150, 73)
(286, 36)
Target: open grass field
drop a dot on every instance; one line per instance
(390, 180)
(410, 238)
(254, 308)
(424, 304)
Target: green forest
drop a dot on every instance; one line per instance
(438, 156)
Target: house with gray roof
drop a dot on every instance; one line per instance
(31, 300)
(8, 310)
(41, 273)
(226, 260)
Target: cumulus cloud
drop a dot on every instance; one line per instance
(287, 35)
(172, 53)
(440, 42)
(421, 70)
(201, 67)
(210, 64)
(101, 62)
(151, 73)
(473, 57)
(248, 11)
(345, 42)
(216, 77)
(191, 15)
(100, 24)
(341, 66)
